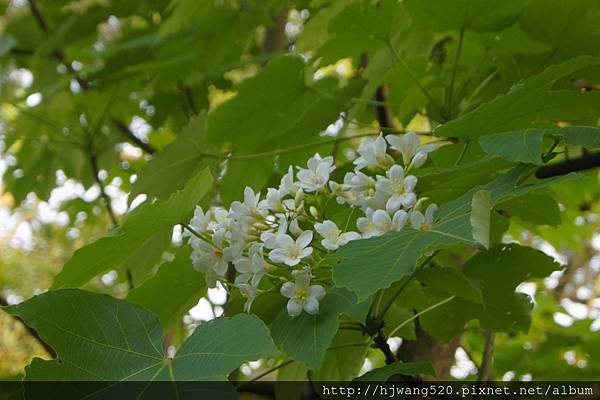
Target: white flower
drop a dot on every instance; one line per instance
(302, 295)
(373, 153)
(398, 187)
(316, 176)
(289, 251)
(250, 293)
(248, 210)
(413, 155)
(273, 201)
(286, 186)
(378, 222)
(420, 221)
(332, 236)
(200, 220)
(251, 268)
(211, 259)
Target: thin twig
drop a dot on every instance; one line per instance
(267, 372)
(417, 315)
(453, 78)
(105, 196)
(410, 278)
(124, 129)
(487, 358)
(415, 79)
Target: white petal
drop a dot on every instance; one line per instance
(393, 204)
(429, 212)
(400, 218)
(396, 172)
(411, 142)
(349, 236)
(288, 289)
(311, 306)
(394, 141)
(416, 219)
(316, 291)
(381, 218)
(305, 253)
(410, 182)
(418, 160)
(408, 200)
(278, 256)
(304, 239)
(329, 245)
(294, 308)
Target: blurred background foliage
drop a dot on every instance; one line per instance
(91, 89)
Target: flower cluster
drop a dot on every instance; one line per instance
(285, 235)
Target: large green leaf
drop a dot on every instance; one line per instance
(532, 100)
(171, 168)
(527, 145)
(99, 338)
(500, 270)
(571, 27)
(480, 15)
(145, 235)
(344, 357)
(306, 338)
(395, 254)
(260, 118)
(521, 146)
(180, 280)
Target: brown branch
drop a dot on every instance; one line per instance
(35, 11)
(585, 162)
(384, 116)
(124, 129)
(31, 331)
(487, 358)
(105, 197)
(381, 343)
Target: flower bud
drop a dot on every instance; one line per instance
(313, 211)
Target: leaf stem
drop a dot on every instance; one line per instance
(417, 315)
(410, 278)
(463, 152)
(414, 78)
(267, 372)
(453, 78)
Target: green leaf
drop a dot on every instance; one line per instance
(291, 380)
(530, 101)
(171, 168)
(344, 357)
(481, 207)
(500, 270)
(527, 145)
(98, 337)
(146, 234)
(306, 338)
(585, 136)
(449, 182)
(180, 280)
(260, 118)
(479, 15)
(405, 368)
(395, 254)
(570, 27)
(451, 281)
(538, 208)
(519, 146)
